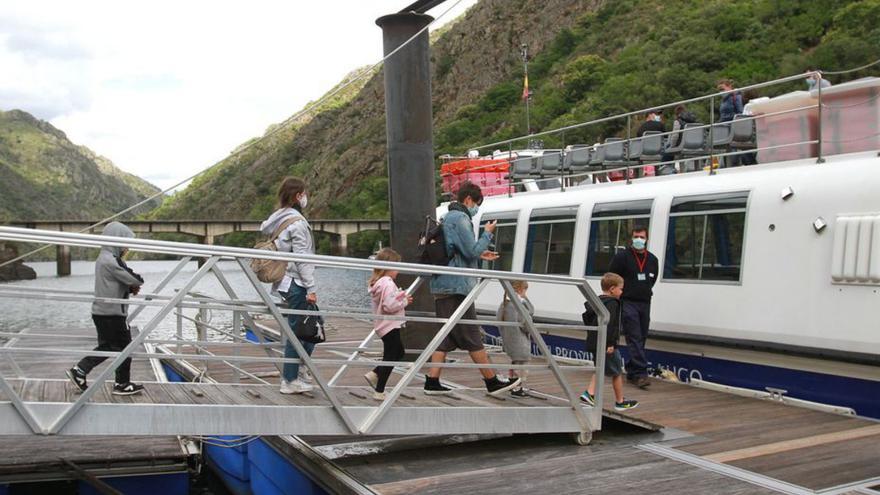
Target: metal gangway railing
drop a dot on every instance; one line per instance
(330, 410)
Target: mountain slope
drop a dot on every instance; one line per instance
(45, 176)
(590, 59)
(341, 151)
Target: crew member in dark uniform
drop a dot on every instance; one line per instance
(639, 269)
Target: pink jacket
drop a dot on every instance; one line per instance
(388, 300)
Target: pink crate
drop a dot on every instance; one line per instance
(850, 116)
(799, 123)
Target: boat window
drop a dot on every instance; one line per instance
(550, 240)
(505, 234)
(705, 237)
(610, 230)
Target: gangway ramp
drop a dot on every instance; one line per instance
(39, 405)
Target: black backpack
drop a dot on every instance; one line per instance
(311, 327)
(432, 244)
(591, 319)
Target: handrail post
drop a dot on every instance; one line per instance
(601, 344)
(712, 131)
(819, 158)
(179, 327)
(628, 144)
(236, 330)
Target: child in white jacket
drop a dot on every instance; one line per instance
(388, 300)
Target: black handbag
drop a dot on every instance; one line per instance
(310, 328)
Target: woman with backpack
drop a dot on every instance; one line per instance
(291, 233)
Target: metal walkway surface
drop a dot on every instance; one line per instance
(39, 405)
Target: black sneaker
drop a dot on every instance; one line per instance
(433, 387)
(127, 388)
(496, 387)
(78, 378)
(519, 392)
(626, 404)
(586, 398)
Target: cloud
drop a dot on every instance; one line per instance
(45, 68)
(164, 96)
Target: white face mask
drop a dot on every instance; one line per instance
(303, 201)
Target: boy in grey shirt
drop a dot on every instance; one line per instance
(113, 279)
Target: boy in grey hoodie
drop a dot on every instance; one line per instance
(113, 279)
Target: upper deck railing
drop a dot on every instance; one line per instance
(329, 410)
(806, 124)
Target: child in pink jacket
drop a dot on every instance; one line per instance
(388, 300)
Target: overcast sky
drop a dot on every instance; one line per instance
(167, 88)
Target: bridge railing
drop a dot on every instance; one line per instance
(563, 413)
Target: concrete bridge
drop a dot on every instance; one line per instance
(206, 231)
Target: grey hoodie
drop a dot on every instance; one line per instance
(296, 238)
(113, 278)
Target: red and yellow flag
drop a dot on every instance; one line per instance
(525, 93)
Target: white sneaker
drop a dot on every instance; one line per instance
(295, 387)
(379, 395)
(304, 375)
(372, 378)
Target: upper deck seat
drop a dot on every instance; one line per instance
(551, 163)
(522, 167)
(652, 146)
(577, 158)
(743, 132)
(634, 149)
(722, 135)
(693, 140)
(615, 152)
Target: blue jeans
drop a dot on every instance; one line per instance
(295, 297)
(636, 319)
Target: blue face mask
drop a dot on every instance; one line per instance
(639, 243)
(473, 210)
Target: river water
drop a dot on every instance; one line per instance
(335, 287)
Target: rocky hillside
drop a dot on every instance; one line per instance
(45, 176)
(591, 58)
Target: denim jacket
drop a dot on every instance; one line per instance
(464, 250)
(731, 105)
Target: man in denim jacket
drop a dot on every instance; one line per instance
(450, 290)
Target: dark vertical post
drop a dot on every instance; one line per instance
(62, 260)
(408, 124)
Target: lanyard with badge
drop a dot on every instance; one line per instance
(641, 264)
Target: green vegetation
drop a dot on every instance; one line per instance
(43, 176)
(631, 54)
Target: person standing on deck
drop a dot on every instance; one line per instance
(639, 269)
(731, 102)
(113, 280)
(451, 290)
(298, 285)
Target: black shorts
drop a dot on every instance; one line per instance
(465, 337)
